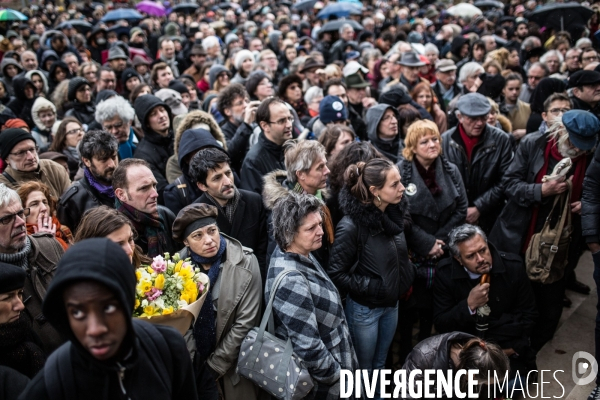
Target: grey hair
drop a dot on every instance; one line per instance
(367, 54)
(344, 27)
(583, 42)
(210, 42)
(296, 64)
(468, 70)
(398, 85)
(461, 234)
(430, 47)
(311, 93)
(530, 42)
(67, 54)
(301, 155)
(549, 53)
(541, 65)
(110, 108)
(7, 196)
(289, 213)
(367, 21)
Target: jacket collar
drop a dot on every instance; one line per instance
(155, 138)
(271, 147)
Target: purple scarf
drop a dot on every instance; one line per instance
(103, 189)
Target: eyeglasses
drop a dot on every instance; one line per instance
(108, 80)
(283, 121)
(75, 131)
(20, 154)
(115, 126)
(557, 111)
(8, 219)
(592, 58)
(481, 118)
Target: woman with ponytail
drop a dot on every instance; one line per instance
(369, 257)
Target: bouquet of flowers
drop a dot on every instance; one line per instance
(170, 291)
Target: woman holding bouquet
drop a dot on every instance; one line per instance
(219, 331)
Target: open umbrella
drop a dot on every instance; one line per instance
(122, 13)
(561, 15)
(339, 10)
(79, 25)
(304, 5)
(227, 4)
(464, 10)
(186, 8)
(489, 4)
(334, 26)
(12, 15)
(151, 8)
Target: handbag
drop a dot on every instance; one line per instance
(548, 252)
(269, 362)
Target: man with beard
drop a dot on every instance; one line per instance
(20, 152)
(116, 117)
(37, 255)
(461, 300)
(241, 212)
(98, 150)
(584, 91)
(530, 202)
(233, 104)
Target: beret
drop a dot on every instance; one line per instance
(193, 217)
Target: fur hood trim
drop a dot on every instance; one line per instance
(275, 187)
(194, 118)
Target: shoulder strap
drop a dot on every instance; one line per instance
(58, 374)
(564, 216)
(155, 343)
(10, 178)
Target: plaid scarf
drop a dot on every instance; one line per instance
(230, 207)
(151, 225)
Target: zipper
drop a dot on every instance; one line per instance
(121, 375)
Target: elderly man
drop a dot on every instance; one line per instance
(467, 146)
(36, 254)
(411, 63)
(445, 86)
(98, 150)
(530, 202)
(168, 56)
(588, 56)
(29, 61)
(137, 197)
(107, 79)
(461, 300)
(339, 47)
(116, 117)
(584, 91)
(72, 62)
(19, 151)
(536, 73)
(212, 47)
(468, 79)
(572, 61)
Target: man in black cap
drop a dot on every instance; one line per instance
(358, 100)
(309, 70)
(482, 154)
(80, 94)
(19, 151)
(91, 302)
(410, 63)
(157, 145)
(584, 91)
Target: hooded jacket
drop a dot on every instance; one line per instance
(6, 61)
(390, 149)
(42, 76)
(45, 44)
(101, 261)
(214, 72)
(47, 55)
(52, 82)
(21, 105)
(7, 97)
(40, 133)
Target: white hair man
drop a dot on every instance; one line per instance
(116, 117)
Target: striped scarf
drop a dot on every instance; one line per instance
(150, 225)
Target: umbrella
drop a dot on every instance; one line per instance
(351, 1)
(464, 10)
(122, 13)
(186, 8)
(339, 10)
(151, 8)
(79, 25)
(489, 4)
(334, 26)
(561, 15)
(304, 5)
(12, 15)
(225, 5)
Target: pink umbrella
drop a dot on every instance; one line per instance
(151, 8)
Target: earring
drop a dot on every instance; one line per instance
(379, 200)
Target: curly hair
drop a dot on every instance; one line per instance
(36, 186)
(229, 95)
(351, 154)
(289, 213)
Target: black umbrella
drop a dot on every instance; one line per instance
(227, 4)
(304, 5)
(561, 15)
(186, 8)
(79, 25)
(489, 4)
(334, 26)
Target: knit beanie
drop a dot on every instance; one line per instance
(129, 73)
(11, 278)
(15, 123)
(241, 56)
(10, 138)
(178, 87)
(74, 85)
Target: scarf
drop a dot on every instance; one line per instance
(20, 258)
(73, 151)
(102, 189)
(150, 224)
(470, 142)
(205, 328)
(203, 86)
(579, 167)
(230, 207)
(19, 349)
(428, 176)
(63, 235)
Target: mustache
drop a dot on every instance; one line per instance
(19, 231)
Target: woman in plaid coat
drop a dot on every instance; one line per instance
(307, 307)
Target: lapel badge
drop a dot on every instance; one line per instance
(411, 189)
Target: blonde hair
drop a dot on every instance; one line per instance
(415, 132)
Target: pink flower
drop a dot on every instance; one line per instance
(153, 294)
(159, 265)
(200, 287)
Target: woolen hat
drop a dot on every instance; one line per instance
(178, 87)
(332, 109)
(74, 85)
(473, 105)
(173, 99)
(11, 278)
(583, 127)
(193, 217)
(9, 138)
(128, 74)
(144, 105)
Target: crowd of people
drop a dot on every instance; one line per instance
(404, 160)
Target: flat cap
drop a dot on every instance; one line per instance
(583, 127)
(473, 105)
(582, 78)
(445, 65)
(193, 217)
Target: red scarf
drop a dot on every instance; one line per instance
(470, 142)
(578, 175)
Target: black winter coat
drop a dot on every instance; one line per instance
(79, 198)
(375, 242)
(434, 217)
(264, 157)
(238, 142)
(483, 175)
(84, 112)
(590, 201)
(511, 300)
(156, 150)
(20, 104)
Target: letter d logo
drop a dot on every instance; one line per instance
(581, 367)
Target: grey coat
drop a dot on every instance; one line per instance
(434, 217)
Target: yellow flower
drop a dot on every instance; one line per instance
(149, 311)
(167, 311)
(159, 282)
(186, 272)
(150, 270)
(192, 289)
(178, 266)
(145, 286)
(138, 275)
(137, 304)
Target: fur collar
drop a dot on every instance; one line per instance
(276, 186)
(198, 117)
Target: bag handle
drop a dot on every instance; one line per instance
(566, 214)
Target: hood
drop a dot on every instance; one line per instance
(46, 55)
(195, 119)
(193, 140)
(99, 260)
(144, 104)
(373, 118)
(504, 123)
(395, 97)
(19, 85)
(105, 94)
(215, 70)
(29, 74)
(55, 65)
(6, 61)
(274, 38)
(456, 45)
(274, 188)
(367, 214)
(41, 104)
(45, 39)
